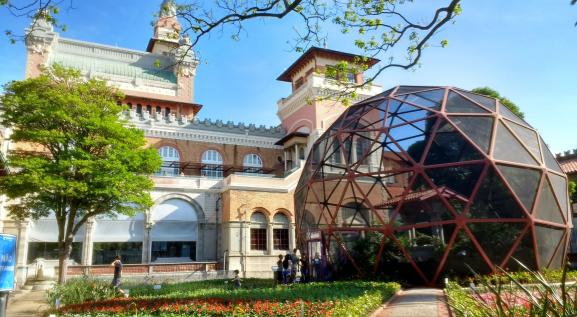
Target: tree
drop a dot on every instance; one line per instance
(504, 101)
(87, 161)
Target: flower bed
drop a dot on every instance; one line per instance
(216, 299)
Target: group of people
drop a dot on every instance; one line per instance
(288, 266)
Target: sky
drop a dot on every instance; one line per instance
(526, 50)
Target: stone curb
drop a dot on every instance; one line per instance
(382, 308)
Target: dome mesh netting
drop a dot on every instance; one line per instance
(425, 182)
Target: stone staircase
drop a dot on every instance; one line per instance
(33, 285)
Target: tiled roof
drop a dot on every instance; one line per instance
(568, 166)
(104, 66)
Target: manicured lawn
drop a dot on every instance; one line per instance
(255, 298)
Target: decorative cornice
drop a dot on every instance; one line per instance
(209, 136)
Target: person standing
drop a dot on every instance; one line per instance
(279, 270)
(295, 264)
(304, 268)
(317, 267)
(117, 263)
(286, 269)
(236, 279)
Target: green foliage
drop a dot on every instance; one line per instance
(573, 191)
(356, 298)
(534, 295)
(80, 159)
(80, 290)
(504, 101)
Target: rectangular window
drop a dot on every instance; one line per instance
(258, 239)
(212, 170)
(173, 249)
(104, 252)
(351, 78)
(280, 239)
(49, 251)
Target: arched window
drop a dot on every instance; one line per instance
(258, 224)
(175, 231)
(170, 159)
(211, 164)
(252, 163)
(280, 232)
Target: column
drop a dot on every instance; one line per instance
(87, 244)
(147, 243)
(296, 156)
(269, 239)
(292, 241)
(285, 158)
(22, 252)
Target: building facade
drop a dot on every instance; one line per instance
(224, 195)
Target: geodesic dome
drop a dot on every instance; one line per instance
(421, 182)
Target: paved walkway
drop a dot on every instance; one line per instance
(27, 304)
(415, 302)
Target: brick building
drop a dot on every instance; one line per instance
(224, 196)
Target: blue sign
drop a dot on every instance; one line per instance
(7, 261)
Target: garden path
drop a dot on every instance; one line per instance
(28, 304)
(415, 302)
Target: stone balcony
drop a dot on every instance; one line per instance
(319, 86)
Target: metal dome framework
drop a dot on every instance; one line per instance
(439, 177)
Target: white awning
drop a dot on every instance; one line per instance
(174, 231)
(46, 230)
(118, 231)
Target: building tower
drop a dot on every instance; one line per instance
(309, 109)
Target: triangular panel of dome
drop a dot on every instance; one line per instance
(354, 215)
(523, 181)
(426, 246)
(401, 113)
(547, 208)
(497, 238)
(557, 260)
(548, 240)
(508, 148)
(412, 137)
(334, 191)
(422, 207)
(507, 113)
(494, 200)
(430, 99)
(489, 103)
(308, 220)
(450, 146)
(524, 253)
(550, 160)
(459, 104)
(476, 128)
(354, 118)
(410, 89)
(464, 256)
(559, 185)
(528, 137)
(458, 179)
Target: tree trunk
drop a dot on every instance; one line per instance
(64, 255)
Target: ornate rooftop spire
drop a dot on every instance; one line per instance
(168, 8)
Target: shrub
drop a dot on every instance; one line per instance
(80, 290)
(508, 296)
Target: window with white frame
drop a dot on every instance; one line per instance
(258, 224)
(280, 232)
(170, 159)
(252, 163)
(212, 164)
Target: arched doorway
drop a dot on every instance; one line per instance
(174, 232)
